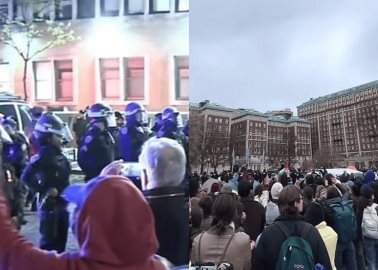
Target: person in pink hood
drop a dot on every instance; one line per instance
(114, 227)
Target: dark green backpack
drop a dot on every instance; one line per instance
(295, 252)
(344, 221)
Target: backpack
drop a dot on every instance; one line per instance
(369, 223)
(295, 251)
(212, 265)
(344, 221)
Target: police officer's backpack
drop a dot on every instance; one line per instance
(295, 251)
(219, 265)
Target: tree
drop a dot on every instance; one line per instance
(29, 26)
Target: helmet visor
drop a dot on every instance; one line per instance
(111, 120)
(141, 117)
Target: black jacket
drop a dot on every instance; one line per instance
(48, 169)
(255, 220)
(171, 213)
(268, 247)
(96, 151)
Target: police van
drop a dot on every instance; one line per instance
(17, 108)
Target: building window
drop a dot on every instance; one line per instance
(110, 79)
(5, 77)
(85, 9)
(160, 6)
(182, 5)
(3, 10)
(42, 80)
(134, 7)
(63, 10)
(42, 9)
(182, 77)
(134, 78)
(63, 80)
(110, 7)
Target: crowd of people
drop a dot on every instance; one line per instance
(131, 219)
(276, 219)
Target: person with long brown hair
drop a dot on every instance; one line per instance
(221, 238)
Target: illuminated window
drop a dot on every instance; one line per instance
(134, 7)
(63, 80)
(110, 79)
(5, 77)
(63, 10)
(85, 9)
(43, 80)
(182, 5)
(110, 7)
(134, 78)
(182, 77)
(160, 6)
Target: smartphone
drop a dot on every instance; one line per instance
(133, 171)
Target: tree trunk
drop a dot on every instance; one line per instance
(24, 78)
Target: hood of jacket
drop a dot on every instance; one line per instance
(115, 226)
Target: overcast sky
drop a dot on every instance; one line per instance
(269, 55)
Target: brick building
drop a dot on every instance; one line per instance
(130, 50)
(344, 125)
(257, 139)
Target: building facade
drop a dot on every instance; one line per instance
(344, 125)
(267, 140)
(253, 139)
(129, 50)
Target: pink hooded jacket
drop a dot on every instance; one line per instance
(115, 231)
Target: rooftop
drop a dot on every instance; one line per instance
(213, 106)
(345, 92)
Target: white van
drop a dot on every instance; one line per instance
(17, 108)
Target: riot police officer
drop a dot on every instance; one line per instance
(97, 147)
(48, 173)
(133, 134)
(171, 125)
(16, 152)
(158, 123)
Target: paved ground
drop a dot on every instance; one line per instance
(31, 229)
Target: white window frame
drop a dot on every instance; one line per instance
(11, 75)
(172, 79)
(75, 81)
(122, 81)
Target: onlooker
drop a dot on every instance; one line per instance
(261, 195)
(269, 245)
(206, 203)
(221, 238)
(127, 243)
(163, 161)
(340, 216)
(80, 126)
(315, 216)
(369, 226)
(255, 212)
(196, 216)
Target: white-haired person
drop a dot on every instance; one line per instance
(163, 168)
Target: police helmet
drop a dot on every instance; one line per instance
(172, 114)
(100, 111)
(50, 123)
(136, 112)
(10, 122)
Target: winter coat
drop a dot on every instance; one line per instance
(212, 247)
(113, 234)
(269, 245)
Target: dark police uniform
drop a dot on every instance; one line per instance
(16, 153)
(131, 139)
(46, 170)
(96, 152)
